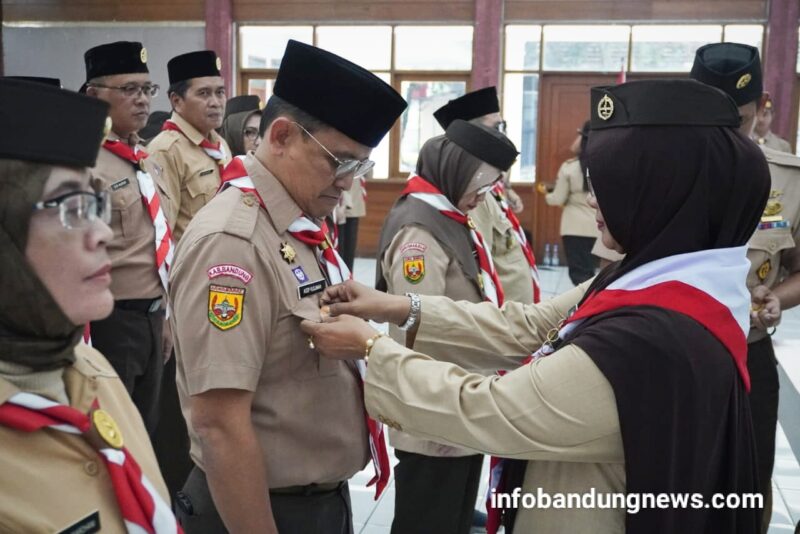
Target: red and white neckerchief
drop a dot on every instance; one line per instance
(499, 193)
(335, 269)
(215, 151)
(86, 337)
(421, 189)
(164, 245)
(708, 286)
(142, 508)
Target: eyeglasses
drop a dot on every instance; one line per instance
(345, 167)
(78, 208)
(131, 90)
(250, 133)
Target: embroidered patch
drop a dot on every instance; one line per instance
(311, 288)
(300, 274)
(421, 247)
(225, 306)
(228, 269)
(764, 270)
(414, 268)
(119, 185)
(87, 525)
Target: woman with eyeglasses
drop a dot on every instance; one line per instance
(241, 122)
(76, 455)
(430, 246)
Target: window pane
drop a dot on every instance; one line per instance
(417, 124)
(522, 47)
(263, 46)
(585, 48)
(749, 34)
(669, 48)
(520, 106)
(433, 47)
(380, 154)
(261, 87)
(367, 46)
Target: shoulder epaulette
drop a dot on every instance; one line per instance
(780, 158)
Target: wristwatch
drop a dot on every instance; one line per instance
(413, 315)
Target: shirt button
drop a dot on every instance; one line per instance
(91, 468)
(248, 200)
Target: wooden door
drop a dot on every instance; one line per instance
(563, 108)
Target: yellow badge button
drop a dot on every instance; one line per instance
(743, 81)
(143, 55)
(219, 64)
(225, 306)
(414, 268)
(764, 270)
(287, 252)
(107, 428)
(772, 208)
(605, 108)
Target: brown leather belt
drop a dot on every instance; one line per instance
(310, 489)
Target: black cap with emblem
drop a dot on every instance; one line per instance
(194, 65)
(121, 57)
(470, 106)
(24, 104)
(733, 67)
(339, 93)
(661, 103)
(484, 143)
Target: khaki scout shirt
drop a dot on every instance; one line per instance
(770, 249)
(559, 413)
(509, 260)
(190, 176)
(134, 274)
(774, 142)
(436, 273)
(236, 321)
(577, 218)
(355, 206)
(52, 480)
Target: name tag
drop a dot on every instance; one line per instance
(311, 288)
(208, 171)
(87, 525)
(120, 184)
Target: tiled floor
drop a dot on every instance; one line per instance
(375, 517)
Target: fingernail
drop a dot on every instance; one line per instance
(326, 310)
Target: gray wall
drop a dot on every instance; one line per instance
(57, 50)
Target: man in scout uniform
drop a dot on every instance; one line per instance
(774, 249)
(189, 149)
(141, 250)
(276, 431)
(496, 217)
(762, 133)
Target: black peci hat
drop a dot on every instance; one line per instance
(55, 82)
(26, 108)
(662, 103)
(484, 143)
(121, 57)
(194, 65)
(733, 67)
(338, 92)
(238, 104)
(470, 106)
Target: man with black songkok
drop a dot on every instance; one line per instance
(496, 216)
(277, 431)
(774, 248)
(188, 148)
(141, 250)
(763, 134)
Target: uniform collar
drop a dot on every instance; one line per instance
(191, 132)
(279, 203)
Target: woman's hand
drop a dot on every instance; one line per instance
(339, 338)
(352, 298)
(765, 311)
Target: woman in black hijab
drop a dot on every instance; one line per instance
(641, 391)
(66, 420)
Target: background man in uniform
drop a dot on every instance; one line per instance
(773, 251)
(762, 133)
(132, 336)
(492, 217)
(355, 207)
(276, 431)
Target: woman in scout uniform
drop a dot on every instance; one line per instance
(427, 246)
(240, 126)
(66, 420)
(640, 390)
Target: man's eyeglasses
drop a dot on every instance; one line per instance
(345, 167)
(250, 133)
(78, 208)
(131, 90)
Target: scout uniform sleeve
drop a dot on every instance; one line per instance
(168, 181)
(486, 336)
(560, 194)
(417, 263)
(558, 408)
(222, 313)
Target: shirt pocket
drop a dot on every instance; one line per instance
(309, 365)
(772, 240)
(503, 241)
(201, 186)
(127, 209)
